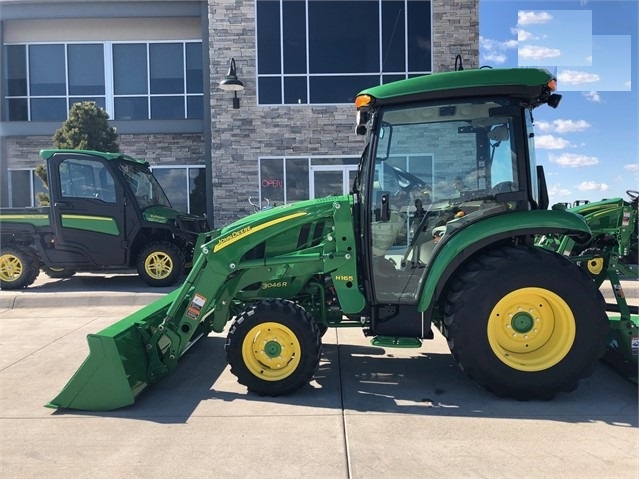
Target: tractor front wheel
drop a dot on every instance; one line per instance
(18, 267)
(524, 322)
(273, 348)
(160, 264)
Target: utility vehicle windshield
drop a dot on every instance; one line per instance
(144, 185)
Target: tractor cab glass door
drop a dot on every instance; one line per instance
(436, 169)
(88, 213)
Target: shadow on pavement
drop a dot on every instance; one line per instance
(356, 379)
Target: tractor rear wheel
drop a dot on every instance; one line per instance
(18, 267)
(524, 322)
(160, 264)
(273, 348)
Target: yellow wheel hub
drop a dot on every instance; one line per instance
(531, 329)
(11, 267)
(158, 265)
(595, 265)
(271, 351)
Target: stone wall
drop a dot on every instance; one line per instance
(157, 149)
(239, 137)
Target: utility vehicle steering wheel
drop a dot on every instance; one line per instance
(634, 194)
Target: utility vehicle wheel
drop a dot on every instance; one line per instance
(18, 267)
(525, 322)
(160, 264)
(273, 348)
(57, 273)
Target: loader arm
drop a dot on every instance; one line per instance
(251, 259)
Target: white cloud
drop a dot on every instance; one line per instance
(592, 96)
(550, 142)
(631, 167)
(522, 35)
(531, 18)
(592, 186)
(556, 191)
(573, 160)
(563, 126)
(495, 51)
(534, 52)
(576, 77)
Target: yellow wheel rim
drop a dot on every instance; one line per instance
(531, 329)
(158, 265)
(271, 351)
(11, 268)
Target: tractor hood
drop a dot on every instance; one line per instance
(278, 218)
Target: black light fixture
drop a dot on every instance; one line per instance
(231, 83)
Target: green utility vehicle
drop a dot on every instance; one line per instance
(402, 254)
(108, 213)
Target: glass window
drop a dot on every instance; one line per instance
(185, 187)
(268, 37)
(197, 191)
(20, 194)
(167, 107)
(194, 68)
(49, 109)
(129, 69)
(344, 36)
(297, 179)
(131, 108)
(272, 180)
(294, 33)
(140, 81)
(15, 68)
(86, 69)
(167, 68)
(46, 70)
(335, 48)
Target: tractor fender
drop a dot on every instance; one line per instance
(466, 241)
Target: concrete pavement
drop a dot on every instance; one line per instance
(368, 413)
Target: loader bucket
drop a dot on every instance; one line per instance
(116, 370)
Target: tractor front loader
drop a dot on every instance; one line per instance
(403, 253)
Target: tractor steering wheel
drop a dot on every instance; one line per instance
(634, 194)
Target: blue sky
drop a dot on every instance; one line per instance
(589, 145)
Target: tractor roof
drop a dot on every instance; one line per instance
(525, 83)
(48, 153)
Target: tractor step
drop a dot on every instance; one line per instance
(396, 342)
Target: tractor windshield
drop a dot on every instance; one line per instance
(144, 185)
(434, 168)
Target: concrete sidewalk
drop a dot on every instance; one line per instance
(368, 413)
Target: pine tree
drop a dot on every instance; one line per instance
(87, 129)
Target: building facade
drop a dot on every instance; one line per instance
(155, 67)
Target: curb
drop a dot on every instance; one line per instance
(52, 300)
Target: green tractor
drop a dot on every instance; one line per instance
(609, 255)
(438, 232)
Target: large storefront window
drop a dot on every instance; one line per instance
(325, 51)
(24, 187)
(132, 81)
(286, 180)
(185, 186)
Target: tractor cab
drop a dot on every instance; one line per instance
(434, 168)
